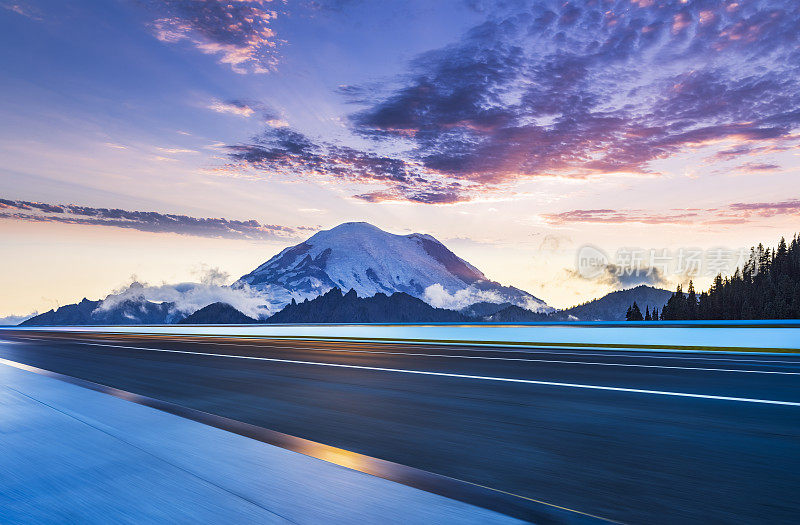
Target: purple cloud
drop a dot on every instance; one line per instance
(768, 209)
(238, 32)
(753, 166)
(735, 213)
(576, 88)
(146, 221)
(607, 216)
(290, 153)
(570, 89)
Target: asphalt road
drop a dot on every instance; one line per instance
(631, 436)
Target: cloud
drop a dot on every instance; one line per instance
(277, 123)
(735, 213)
(22, 9)
(146, 221)
(438, 297)
(567, 89)
(233, 107)
(733, 153)
(239, 32)
(608, 216)
(768, 209)
(620, 278)
(760, 148)
(211, 275)
(287, 152)
(176, 150)
(190, 297)
(754, 166)
(248, 108)
(575, 89)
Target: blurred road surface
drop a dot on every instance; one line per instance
(639, 437)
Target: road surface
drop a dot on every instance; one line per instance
(74, 455)
(631, 436)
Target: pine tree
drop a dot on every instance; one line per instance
(634, 314)
(691, 302)
(767, 286)
(647, 314)
(675, 307)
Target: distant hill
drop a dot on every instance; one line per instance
(483, 309)
(217, 313)
(515, 314)
(611, 307)
(78, 313)
(335, 307)
(89, 312)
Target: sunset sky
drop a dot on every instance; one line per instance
(163, 139)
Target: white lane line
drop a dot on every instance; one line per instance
(467, 376)
(450, 356)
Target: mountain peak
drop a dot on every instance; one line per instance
(217, 313)
(355, 226)
(361, 257)
(357, 232)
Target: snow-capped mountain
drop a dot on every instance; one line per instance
(369, 260)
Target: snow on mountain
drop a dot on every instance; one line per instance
(369, 260)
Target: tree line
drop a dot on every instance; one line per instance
(766, 287)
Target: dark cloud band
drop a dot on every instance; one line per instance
(293, 154)
(735, 213)
(146, 221)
